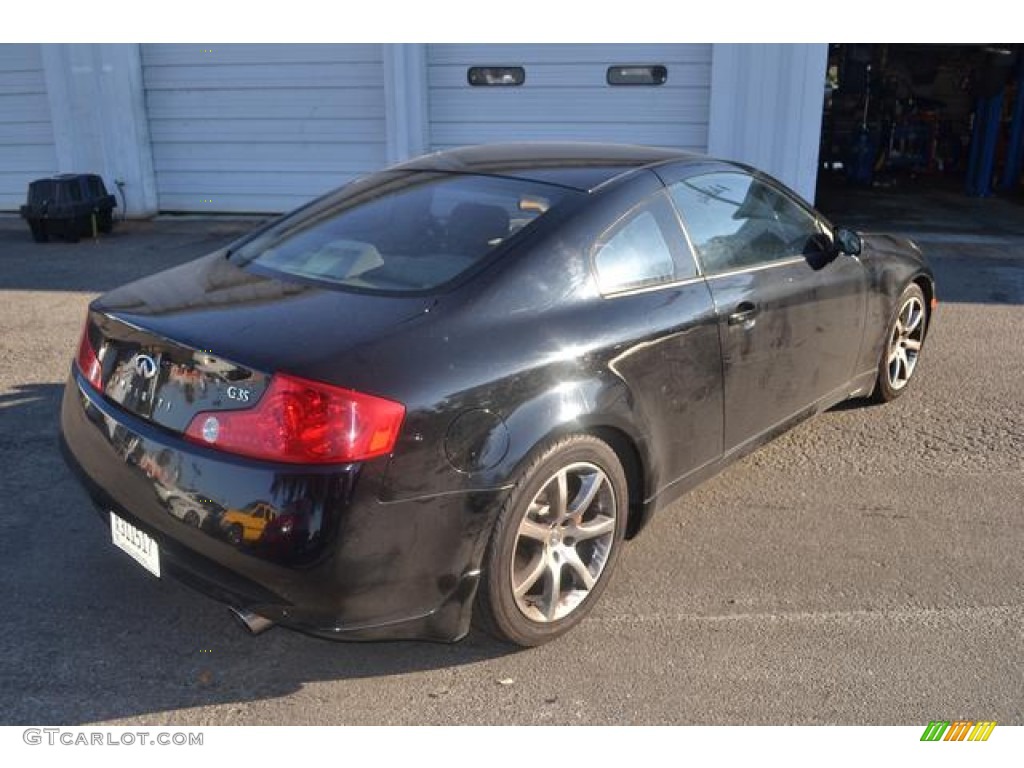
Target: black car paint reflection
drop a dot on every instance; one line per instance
(292, 536)
(681, 375)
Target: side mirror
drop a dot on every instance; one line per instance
(847, 241)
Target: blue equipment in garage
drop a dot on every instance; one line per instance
(1015, 147)
(992, 75)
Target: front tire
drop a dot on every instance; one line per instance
(235, 535)
(904, 341)
(105, 221)
(72, 231)
(555, 544)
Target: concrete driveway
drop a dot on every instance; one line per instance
(865, 568)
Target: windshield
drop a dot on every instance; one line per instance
(399, 232)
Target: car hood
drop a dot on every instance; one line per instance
(268, 323)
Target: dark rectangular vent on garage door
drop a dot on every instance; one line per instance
(499, 76)
(637, 74)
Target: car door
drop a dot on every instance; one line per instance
(669, 354)
(790, 316)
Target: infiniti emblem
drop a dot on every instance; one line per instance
(145, 366)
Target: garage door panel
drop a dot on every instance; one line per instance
(566, 97)
(309, 169)
(573, 75)
(26, 107)
(27, 148)
(20, 82)
(26, 134)
(230, 55)
(23, 57)
(267, 103)
(238, 202)
(309, 166)
(218, 132)
(261, 128)
(691, 137)
(244, 192)
(30, 158)
(181, 182)
(14, 187)
(590, 104)
(641, 53)
(217, 156)
(314, 76)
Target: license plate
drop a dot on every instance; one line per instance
(139, 545)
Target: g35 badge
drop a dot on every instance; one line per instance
(239, 394)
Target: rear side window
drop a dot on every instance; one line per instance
(637, 251)
(402, 233)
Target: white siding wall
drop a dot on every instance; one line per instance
(766, 108)
(257, 128)
(26, 133)
(566, 97)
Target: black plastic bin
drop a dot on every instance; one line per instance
(68, 206)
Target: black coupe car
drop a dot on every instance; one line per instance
(453, 388)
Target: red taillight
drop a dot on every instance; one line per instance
(303, 422)
(87, 361)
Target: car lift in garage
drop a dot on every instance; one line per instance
(992, 80)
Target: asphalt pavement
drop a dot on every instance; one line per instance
(863, 569)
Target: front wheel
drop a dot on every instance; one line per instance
(235, 535)
(72, 230)
(555, 544)
(105, 221)
(903, 343)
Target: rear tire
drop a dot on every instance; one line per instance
(72, 234)
(555, 544)
(39, 231)
(904, 341)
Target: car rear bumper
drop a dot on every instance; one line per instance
(346, 566)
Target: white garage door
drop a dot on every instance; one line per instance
(566, 95)
(26, 134)
(261, 128)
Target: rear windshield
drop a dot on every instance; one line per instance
(401, 232)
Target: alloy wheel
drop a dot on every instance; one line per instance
(905, 343)
(563, 542)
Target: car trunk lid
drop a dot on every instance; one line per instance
(208, 336)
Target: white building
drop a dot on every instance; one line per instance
(264, 128)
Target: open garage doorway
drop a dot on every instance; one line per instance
(918, 137)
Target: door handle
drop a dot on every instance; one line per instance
(743, 313)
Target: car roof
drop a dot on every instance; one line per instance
(579, 165)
